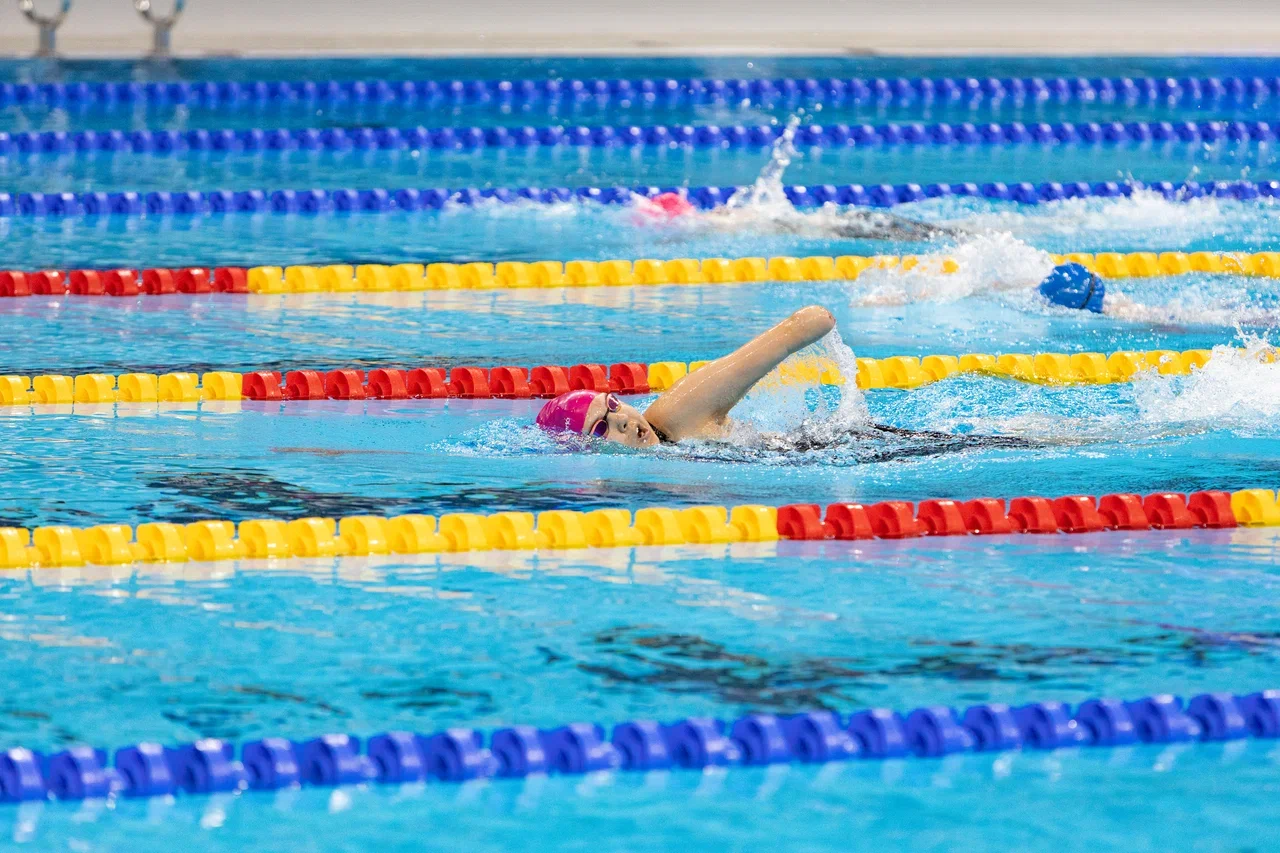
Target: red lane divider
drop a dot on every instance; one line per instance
(1032, 515)
(386, 384)
(426, 383)
(986, 515)
(517, 383)
(1078, 514)
(982, 516)
(589, 376)
(470, 382)
(549, 381)
(344, 385)
(124, 282)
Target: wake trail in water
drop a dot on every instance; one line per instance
(993, 263)
(1217, 302)
(1143, 217)
(1238, 389)
(1004, 261)
(763, 208)
(994, 258)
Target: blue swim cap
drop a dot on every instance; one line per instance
(1073, 286)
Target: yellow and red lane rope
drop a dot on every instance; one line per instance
(408, 277)
(511, 382)
(363, 535)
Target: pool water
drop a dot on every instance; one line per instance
(246, 649)
(544, 166)
(363, 645)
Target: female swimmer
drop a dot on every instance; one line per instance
(698, 405)
(841, 224)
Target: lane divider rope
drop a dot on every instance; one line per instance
(59, 546)
(256, 139)
(900, 91)
(374, 278)
(382, 200)
(209, 765)
(547, 380)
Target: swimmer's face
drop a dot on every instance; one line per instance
(618, 422)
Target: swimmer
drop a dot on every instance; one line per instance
(829, 224)
(698, 405)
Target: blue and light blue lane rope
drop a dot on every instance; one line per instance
(324, 201)
(257, 139)
(459, 754)
(898, 91)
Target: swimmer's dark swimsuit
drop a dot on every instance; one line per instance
(886, 226)
(880, 443)
(871, 226)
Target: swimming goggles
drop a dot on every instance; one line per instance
(600, 428)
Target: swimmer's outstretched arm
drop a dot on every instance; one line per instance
(698, 404)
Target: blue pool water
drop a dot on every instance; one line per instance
(240, 650)
(593, 112)
(516, 232)
(542, 167)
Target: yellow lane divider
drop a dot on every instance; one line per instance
(117, 544)
(1147, 264)
(908, 372)
(361, 535)
(57, 389)
(1050, 368)
(342, 278)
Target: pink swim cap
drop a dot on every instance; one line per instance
(566, 413)
(666, 206)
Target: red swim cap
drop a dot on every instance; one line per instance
(667, 206)
(567, 413)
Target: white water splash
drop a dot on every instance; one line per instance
(1144, 217)
(988, 263)
(519, 208)
(768, 193)
(763, 206)
(1239, 389)
(785, 400)
(1221, 304)
(852, 408)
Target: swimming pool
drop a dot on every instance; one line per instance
(245, 649)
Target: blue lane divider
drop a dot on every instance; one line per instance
(831, 90)
(256, 139)
(323, 201)
(459, 754)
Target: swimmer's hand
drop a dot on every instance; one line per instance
(813, 322)
(698, 404)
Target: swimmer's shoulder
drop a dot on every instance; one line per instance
(708, 432)
(663, 438)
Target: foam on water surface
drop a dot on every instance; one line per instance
(989, 264)
(1144, 215)
(1239, 388)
